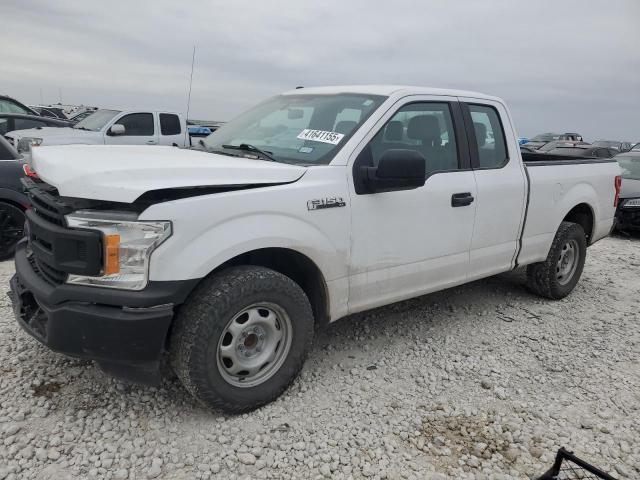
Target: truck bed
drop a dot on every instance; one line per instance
(557, 183)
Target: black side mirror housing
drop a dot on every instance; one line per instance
(398, 169)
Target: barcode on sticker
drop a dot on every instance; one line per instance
(320, 136)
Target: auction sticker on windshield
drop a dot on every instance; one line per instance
(320, 136)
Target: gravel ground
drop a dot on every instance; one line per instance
(480, 381)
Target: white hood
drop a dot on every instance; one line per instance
(58, 135)
(121, 173)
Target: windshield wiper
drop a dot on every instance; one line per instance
(250, 148)
(82, 128)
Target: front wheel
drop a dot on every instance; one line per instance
(558, 275)
(241, 338)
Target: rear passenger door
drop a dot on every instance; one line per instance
(406, 243)
(140, 129)
(171, 132)
(501, 182)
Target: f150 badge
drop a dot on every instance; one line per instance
(329, 202)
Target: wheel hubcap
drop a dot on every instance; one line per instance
(254, 345)
(568, 262)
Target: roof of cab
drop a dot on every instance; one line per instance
(388, 90)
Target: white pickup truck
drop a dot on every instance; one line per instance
(315, 204)
(109, 127)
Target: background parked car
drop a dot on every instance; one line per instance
(526, 149)
(544, 138)
(619, 146)
(11, 105)
(13, 202)
(50, 112)
(628, 211)
(571, 136)
(560, 143)
(19, 121)
(81, 115)
(584, 151)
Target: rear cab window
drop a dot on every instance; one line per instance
(170, 124)
(490, 139)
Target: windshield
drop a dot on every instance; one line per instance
(545, 137)
(606, 143)
(96, 120)
(302, 129)
(630, 165)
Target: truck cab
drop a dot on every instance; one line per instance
(110, 127)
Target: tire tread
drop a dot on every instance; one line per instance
(541, 276)
(193, 322)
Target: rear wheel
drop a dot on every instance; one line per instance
(241, 338)
(558, 275)
(11, 229)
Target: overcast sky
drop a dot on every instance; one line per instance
(563, 65)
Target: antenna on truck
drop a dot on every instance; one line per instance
(193, 59)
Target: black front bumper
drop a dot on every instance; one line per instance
(124, 331)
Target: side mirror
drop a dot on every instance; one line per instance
(117, 129)
(398, 169)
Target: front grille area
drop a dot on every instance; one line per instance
(44, 203)
(55, 251)
(48, 274)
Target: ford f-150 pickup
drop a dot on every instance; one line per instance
(313, 205)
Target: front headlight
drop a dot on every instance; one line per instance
(128, 244)
(25, 144)
(633, 202)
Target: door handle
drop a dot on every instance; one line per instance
(461, 199)
(151, 142)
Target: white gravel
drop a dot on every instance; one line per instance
(481, 381)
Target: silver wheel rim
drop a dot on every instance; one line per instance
(568, 262)
(254, 345)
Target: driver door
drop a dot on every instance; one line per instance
(410, 242)
(139, 129)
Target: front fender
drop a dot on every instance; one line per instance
(185, 256)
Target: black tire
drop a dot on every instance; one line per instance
(202, 320)
(542, 278)
(11, 229)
